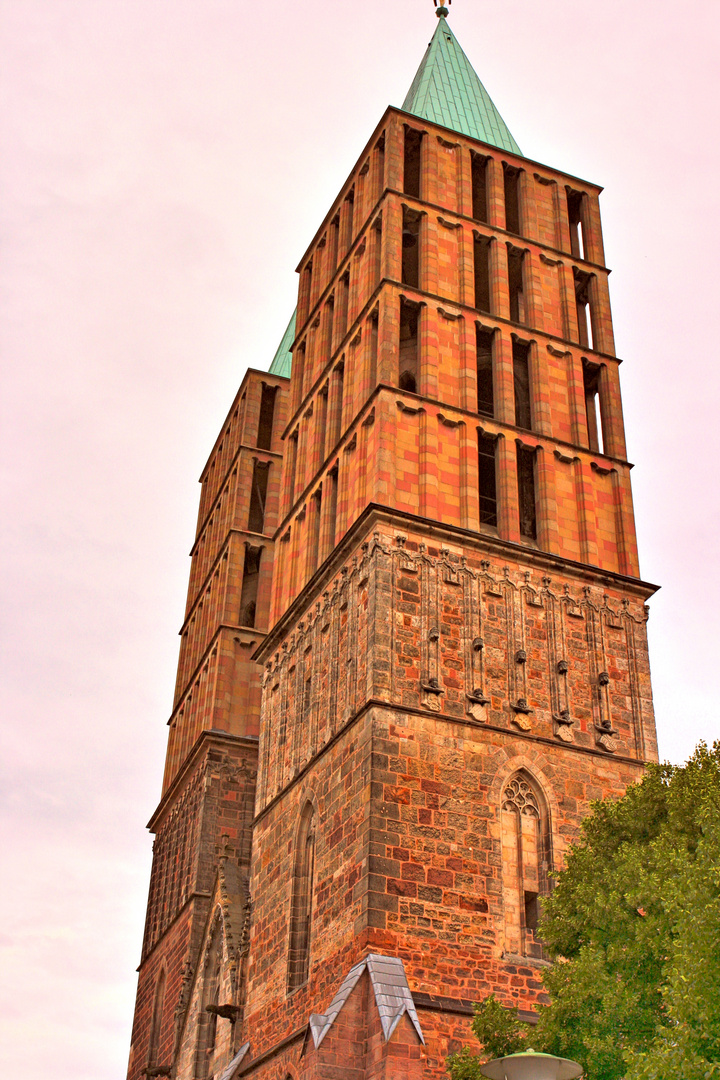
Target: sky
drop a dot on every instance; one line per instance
(164, 164)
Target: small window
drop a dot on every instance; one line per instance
(485, 395)
(258, 494)
(479, 186)
(411, 171)
(593, 411)
(521, 384)
(511, 178)
(267, 413)
(408, 367)
(575, 205)
(481, 250)
(487, 489)
(411, 248)
(526, 492)
(516, 284)
(250, 581)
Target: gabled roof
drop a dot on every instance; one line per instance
(282, 361)
(392, 996)
(447, 91)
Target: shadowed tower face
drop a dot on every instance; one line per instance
(449, 658)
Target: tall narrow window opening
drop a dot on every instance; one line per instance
(479, 186)
(511, 178)
(258, 494)
(329, 542)
(526, 492)
(516, 284)
(481, 250)
(408, 367)
(267, 416)
(412, 157)
(411, 248)
(487, 488)
(301, 903)
(584, 308)
(333, 245)
(485, 394)
(575, 218)
(593, 411)
(157, 1017)
(249, 591)
(526, 863)
(521, 384)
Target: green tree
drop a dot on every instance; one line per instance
(634, 926)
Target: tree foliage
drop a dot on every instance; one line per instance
(634, 926)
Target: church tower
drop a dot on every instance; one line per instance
(371, 780)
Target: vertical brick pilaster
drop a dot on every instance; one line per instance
(562, 222)
(499, 287)
(394, 153)
(586, 513)
(466, 266)
(547, 510)
(528, 205)
(625, 523)
(469, 495)
(388, 337)
(428, 465)
(611, 411)
(428, 351)
(503, 380)
(508, 507)
(603, 337)
(576, 400)
(429, 169)
(532, 283)
(391, 258)
(592, 229)
(567, 287)
(468, 365)
(464, 181)
(496, 193)
(540, 390)
(429, 253)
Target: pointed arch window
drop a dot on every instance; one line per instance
(301, 903)
(156, 1026)
(526, 863)
(207, 1028)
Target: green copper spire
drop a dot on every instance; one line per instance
(447, 91)
(282, 361)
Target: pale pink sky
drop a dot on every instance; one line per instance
(164, 164)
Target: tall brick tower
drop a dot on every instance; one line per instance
(452, 649)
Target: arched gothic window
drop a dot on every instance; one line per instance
(207, 1025)
(526, 863)
(301, 904)
(156, 1024)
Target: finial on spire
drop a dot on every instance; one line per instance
(441, 11)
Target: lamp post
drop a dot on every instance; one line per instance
(531, 1066)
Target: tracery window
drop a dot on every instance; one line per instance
(301, 904)
(526, 863)
(207, 1026)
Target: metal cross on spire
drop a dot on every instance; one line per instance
(440, 9)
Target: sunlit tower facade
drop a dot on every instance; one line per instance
(405, 677)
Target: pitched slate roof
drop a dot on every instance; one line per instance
(282, 361)
(447, 91)
(392, 996)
